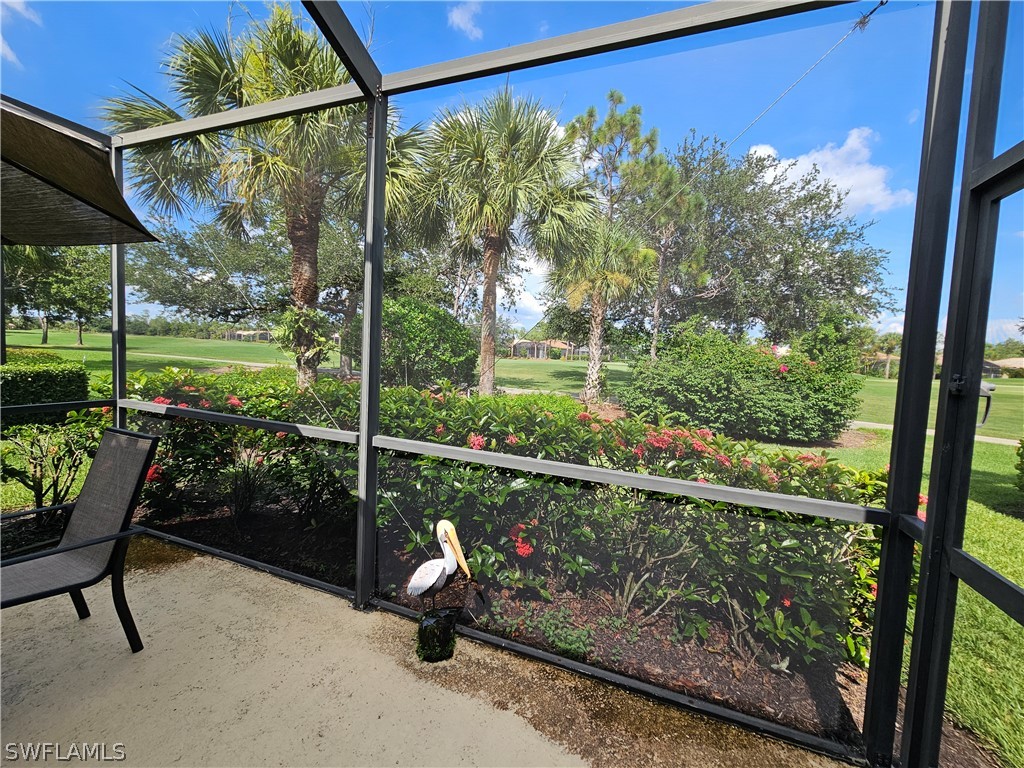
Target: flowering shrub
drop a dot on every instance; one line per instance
(706, 379)
(784, 586)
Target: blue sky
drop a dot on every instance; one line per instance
(858, 115)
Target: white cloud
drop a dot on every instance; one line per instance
(10, 8)
(850, 168)
(1001, 329)
(463, 18)
(913, 116)
(888, 323)
(543, 29)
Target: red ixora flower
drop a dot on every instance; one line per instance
(205, 403)
(183, 405)
(155, 474)
(584, 416)
(874, 590)
(476, 442)
(189, 388)
(280, 434)
(705, 434)
(162, 400)
(234, 402)
(787, 601)
(511, 439)
(439, 429)
(702, 481)
(724, 460)
(783, 368)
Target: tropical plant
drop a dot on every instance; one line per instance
(298, 169)
(604, 268)
(505, 175)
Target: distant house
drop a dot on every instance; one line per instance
(1010, 362)
(248, 336)
(989, 369)
(534, 349)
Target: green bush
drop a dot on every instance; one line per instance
(703, 378)
(423, 344)
(31, 376)
(784, 586)
(1014, 373)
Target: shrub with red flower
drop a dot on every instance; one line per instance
(476, 442)
(512, 439)
(205, 403)
(584, 416)
(155, 474)
(163, 400)
(234, 402)
(439, 429)
(783, 368)
(517, 533)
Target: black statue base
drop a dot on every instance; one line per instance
(435, 640)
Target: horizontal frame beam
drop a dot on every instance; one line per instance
(74, 405)
(1005, 171)
(834, 510)
(321, 433)
(912, 527)
(705, 17)
(342, 37)
(338, 96)
(670, 25)
(993, 586)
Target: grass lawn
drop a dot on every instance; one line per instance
(563, 376)
(986, 676)
(152, 353)
(1006, 419)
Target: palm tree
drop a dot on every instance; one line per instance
(296, 168)
(607, 267)
(505, 175)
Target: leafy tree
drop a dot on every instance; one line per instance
(608, 267)
(504, 175)
(777, 250)
(662, 206)
(28, 283)
(297, 167)
(82, 287)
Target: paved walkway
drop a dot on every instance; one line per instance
(978, 438)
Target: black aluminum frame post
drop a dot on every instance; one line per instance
(917, 360)
(118, 312)
(958, 404)
(369, 390)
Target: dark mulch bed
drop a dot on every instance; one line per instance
(274, 536)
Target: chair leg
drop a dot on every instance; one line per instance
(80, 605)
(120, 603)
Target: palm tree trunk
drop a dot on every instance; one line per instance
(493, 248)
(592, 388)
(44, 322)
(304, 235)
(888, 362)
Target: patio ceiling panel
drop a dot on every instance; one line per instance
(58, 187)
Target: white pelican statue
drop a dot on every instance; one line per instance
(431, 577)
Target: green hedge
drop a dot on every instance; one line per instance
(31, 376)
(703, 378)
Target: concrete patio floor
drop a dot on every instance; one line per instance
(243, 669)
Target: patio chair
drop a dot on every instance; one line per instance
(95, 540)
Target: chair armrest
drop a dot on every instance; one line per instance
(132, 531)
(40, 510)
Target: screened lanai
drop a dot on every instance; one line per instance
(747, 576)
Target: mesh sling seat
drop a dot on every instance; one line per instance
(95, 540)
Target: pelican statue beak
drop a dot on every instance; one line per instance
(460, 557)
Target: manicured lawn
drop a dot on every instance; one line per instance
(152, 353)
(562, 376)
(986, 677)
(1006, 418)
